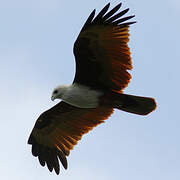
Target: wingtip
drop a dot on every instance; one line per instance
(65, 164)
(57, 171)
(126, 10)
(108, 4)
(133, 22)
(63, 159)
(93, 14)
(119, 5)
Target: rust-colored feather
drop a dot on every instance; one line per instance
(63, 131)
(102, 53)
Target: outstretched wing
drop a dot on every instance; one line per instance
(58, 129)
(101, 51)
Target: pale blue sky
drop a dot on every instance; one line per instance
(36, 40)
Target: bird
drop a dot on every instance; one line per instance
(103, 62)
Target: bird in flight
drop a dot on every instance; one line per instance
(103, 62)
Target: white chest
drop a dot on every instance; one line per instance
(81, 96)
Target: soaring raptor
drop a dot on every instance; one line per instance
(102, 72)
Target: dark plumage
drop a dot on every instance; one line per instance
(102, 72)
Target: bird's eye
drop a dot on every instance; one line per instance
(55, 92)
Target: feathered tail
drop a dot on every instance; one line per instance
(133, 104)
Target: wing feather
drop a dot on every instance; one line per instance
(113, 11)
(120, 14)
(101, 51)
(60, 128)
(101, 13)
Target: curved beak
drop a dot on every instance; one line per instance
(53, 98)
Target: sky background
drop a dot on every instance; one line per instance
(36, 41)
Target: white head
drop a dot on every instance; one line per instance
(59, 91)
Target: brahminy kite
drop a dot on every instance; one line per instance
(102, 72)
